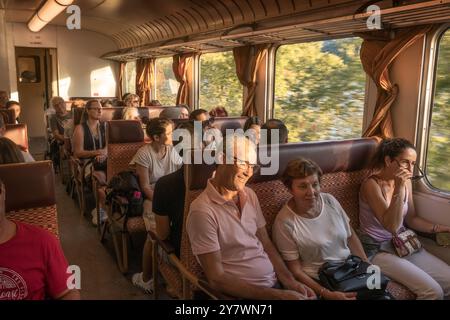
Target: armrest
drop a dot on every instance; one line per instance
(215, 294)
(166, 246)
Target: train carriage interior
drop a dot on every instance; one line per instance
(343, 104)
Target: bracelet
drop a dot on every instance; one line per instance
(321, 291)
(435, 228)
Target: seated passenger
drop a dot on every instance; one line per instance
(107, 103)
(254, 125)
(60, 120)
(132, 100)
(89, 136)
(10, 152)
(89, 142)
(184, 111)
(301, 230)
(151, 162)
(168, 200)
(15, 106)
(32, 263)
(218, 112)
(386, 202)
(199, 115)
(174, 113)
(4, 98)
(276, 124)
(155, 103)
(130, 113)
(228, 235)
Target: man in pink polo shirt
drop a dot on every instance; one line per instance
(227, 232)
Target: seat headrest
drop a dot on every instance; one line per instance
(8, 116)
(18, 134)
(28, 185)
(223, 123)
(154, 111)
(331, 156)
(124, 131)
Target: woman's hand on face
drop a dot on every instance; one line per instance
(338, 295)
(401, 176)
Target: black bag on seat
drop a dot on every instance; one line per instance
(351, 276)
(126, 185)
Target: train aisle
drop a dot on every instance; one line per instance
(100, 277)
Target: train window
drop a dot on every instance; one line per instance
(130, 77)
(28, 69)
(439, 135)
(166, 83)
(219, 84)
(319, 89)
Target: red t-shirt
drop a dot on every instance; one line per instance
(32, 265)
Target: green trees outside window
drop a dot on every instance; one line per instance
(319, 89)
(437, 170)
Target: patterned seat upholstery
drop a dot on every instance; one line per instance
(124, 138)
(44, 217)
(36, 206)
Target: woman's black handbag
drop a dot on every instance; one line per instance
(351, 276)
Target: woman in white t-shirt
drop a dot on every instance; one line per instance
(151, 162)
(312, 228)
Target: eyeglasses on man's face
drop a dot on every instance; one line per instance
(243, 164)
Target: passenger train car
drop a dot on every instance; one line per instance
(342, 75)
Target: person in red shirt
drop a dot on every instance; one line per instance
(32, 263)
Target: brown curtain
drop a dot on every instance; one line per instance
(144, 79)
(247, 61)
(378, 51)
(182, 69)
(119, 91)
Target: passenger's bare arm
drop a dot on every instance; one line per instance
(389, 215)
(282, 272)
(162, 227)
(418, 223)
(356, 247)
(69, 295)
(295, 267)
(230, 285)
(144, 181)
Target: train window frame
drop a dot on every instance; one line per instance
(28, 69)
(273, 83)
(428, 90)
(199, 81)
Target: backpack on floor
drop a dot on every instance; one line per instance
(126, 184)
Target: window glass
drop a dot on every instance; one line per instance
(438, 154)
(166, 84)
(130, 77)
(219, 85)
(319, 89)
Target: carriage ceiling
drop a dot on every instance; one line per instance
(149, 28)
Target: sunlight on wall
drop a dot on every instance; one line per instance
(15, 96)
(64, 85)
(103, 83)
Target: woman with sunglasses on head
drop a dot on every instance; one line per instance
(385, 205)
